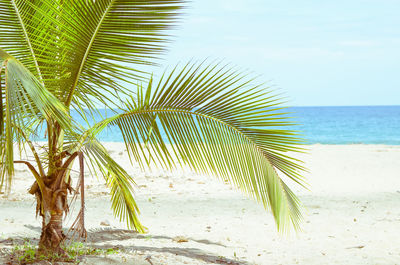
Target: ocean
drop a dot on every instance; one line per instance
(349, 124)
(330, 125)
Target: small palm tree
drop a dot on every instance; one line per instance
(58, 56)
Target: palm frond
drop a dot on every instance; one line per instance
(28, 32)
(84, 51)
(24, 101)
(102, 164)
(221, 123)
(109, 38)
(118, 180)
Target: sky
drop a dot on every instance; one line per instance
(318, 53)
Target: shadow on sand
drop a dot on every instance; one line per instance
(98, 238)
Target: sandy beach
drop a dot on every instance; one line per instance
(351, 216)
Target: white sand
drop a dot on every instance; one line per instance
(352, 215)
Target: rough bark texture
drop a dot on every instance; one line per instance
(51, 196)
(52, 236)
(51, 205)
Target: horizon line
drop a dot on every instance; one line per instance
(389, 105)
(311, 106)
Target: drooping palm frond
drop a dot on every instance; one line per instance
(221, 123)
(100, 163)
(23, 101)
(118, 180)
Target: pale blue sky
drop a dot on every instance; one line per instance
(318, 52)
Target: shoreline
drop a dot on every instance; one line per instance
(308, 144)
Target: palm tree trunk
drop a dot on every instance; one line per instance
(52, 235)
(54, 204)
(52, 201)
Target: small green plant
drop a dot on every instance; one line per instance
(111, 251)
(26, 253)
(77, 249)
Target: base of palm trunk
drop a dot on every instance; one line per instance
(52, 236)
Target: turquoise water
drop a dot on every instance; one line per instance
(331, 125)
(350, 125)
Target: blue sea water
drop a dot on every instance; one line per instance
(350, 124)
(331, 125)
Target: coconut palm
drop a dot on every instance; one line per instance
(59, 56)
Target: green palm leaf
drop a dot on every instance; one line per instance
(102, 164)
(84, 51)
(24, 101)
(218, 123)
(109, 38)
(26, 27)
(119, 182)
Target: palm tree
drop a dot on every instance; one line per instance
(58, 56)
